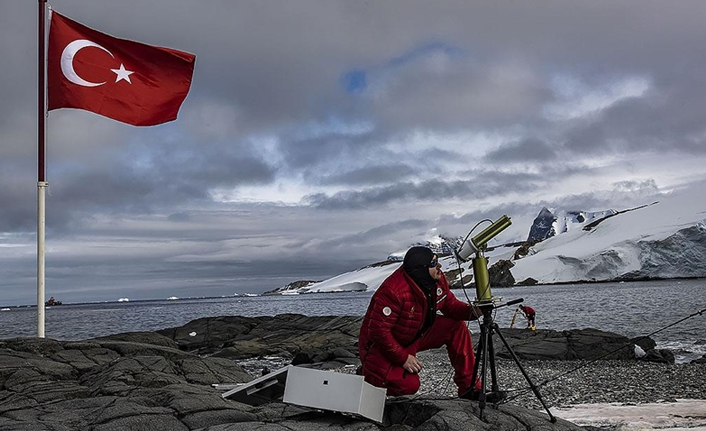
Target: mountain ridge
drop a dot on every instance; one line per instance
(662, 240)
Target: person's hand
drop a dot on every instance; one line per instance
(412, 364)
(476, 312)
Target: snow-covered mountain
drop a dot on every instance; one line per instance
(548, 224)
(665, 239)
(439, 244)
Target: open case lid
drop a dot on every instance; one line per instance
(262, 390)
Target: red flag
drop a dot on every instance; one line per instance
(121, 79)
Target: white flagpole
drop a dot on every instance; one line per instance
(41, 221)
(41, 169)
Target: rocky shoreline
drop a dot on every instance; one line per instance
(166, 380)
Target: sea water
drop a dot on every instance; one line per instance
(630, 308)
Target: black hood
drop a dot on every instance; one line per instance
(416, 265)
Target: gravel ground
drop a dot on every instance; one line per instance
(563, 383)
(566, 383)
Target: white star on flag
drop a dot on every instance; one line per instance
(122, 74)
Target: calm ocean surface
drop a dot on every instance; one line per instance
(631, 309)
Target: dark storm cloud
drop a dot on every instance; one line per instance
(18, 200)
(331, 147)
(673, 120)
(14, 22)
(371, 175)
(670, 118)
(361, 238)
(532, 150)
(493, 184)
(166, 175)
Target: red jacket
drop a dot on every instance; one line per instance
(394, 317)
(529, 311)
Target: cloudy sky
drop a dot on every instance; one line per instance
(320, 136)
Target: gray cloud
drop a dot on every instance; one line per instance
(337, 132)
(371, 175)
(492, 184)
(528, 150)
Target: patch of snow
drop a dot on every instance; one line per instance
(370, 278)
(639, 353)
(682, 414)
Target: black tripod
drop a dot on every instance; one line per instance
(485, 354)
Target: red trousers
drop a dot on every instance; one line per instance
(444, 332)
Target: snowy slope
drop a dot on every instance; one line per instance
(371, 277)
(663, 240)
(666, 239)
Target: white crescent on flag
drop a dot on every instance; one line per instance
(81, 79)
(67, 62)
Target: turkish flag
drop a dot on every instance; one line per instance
(121, 79)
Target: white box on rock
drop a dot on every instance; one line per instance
(329, 390)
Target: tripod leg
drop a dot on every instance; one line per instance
(491, 356)
(522, 370)
(485, 339)
(479, 352)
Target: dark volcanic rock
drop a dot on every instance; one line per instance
(284, 334)
(500, 275)
(140, 381)
(454, 414)
(459, 278)
(323, 338)
(529, 281)
(112, 384)
(660, 355)
(586, 344)
(152, 338)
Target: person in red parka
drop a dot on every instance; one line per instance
(414, 310)
(529, 315)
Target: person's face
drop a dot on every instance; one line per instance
(435, 268)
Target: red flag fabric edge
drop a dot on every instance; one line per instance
(127, 81)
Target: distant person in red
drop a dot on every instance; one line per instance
(414, 310)
(529, 315)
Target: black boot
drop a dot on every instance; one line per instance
(471, 394)
(495, 397)
(490, 397)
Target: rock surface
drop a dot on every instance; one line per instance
(585, 344)
(164, 381)
(237, 337)
(111, 384)
(500, 275)
(334, 338)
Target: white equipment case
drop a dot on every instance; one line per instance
(324, 390)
